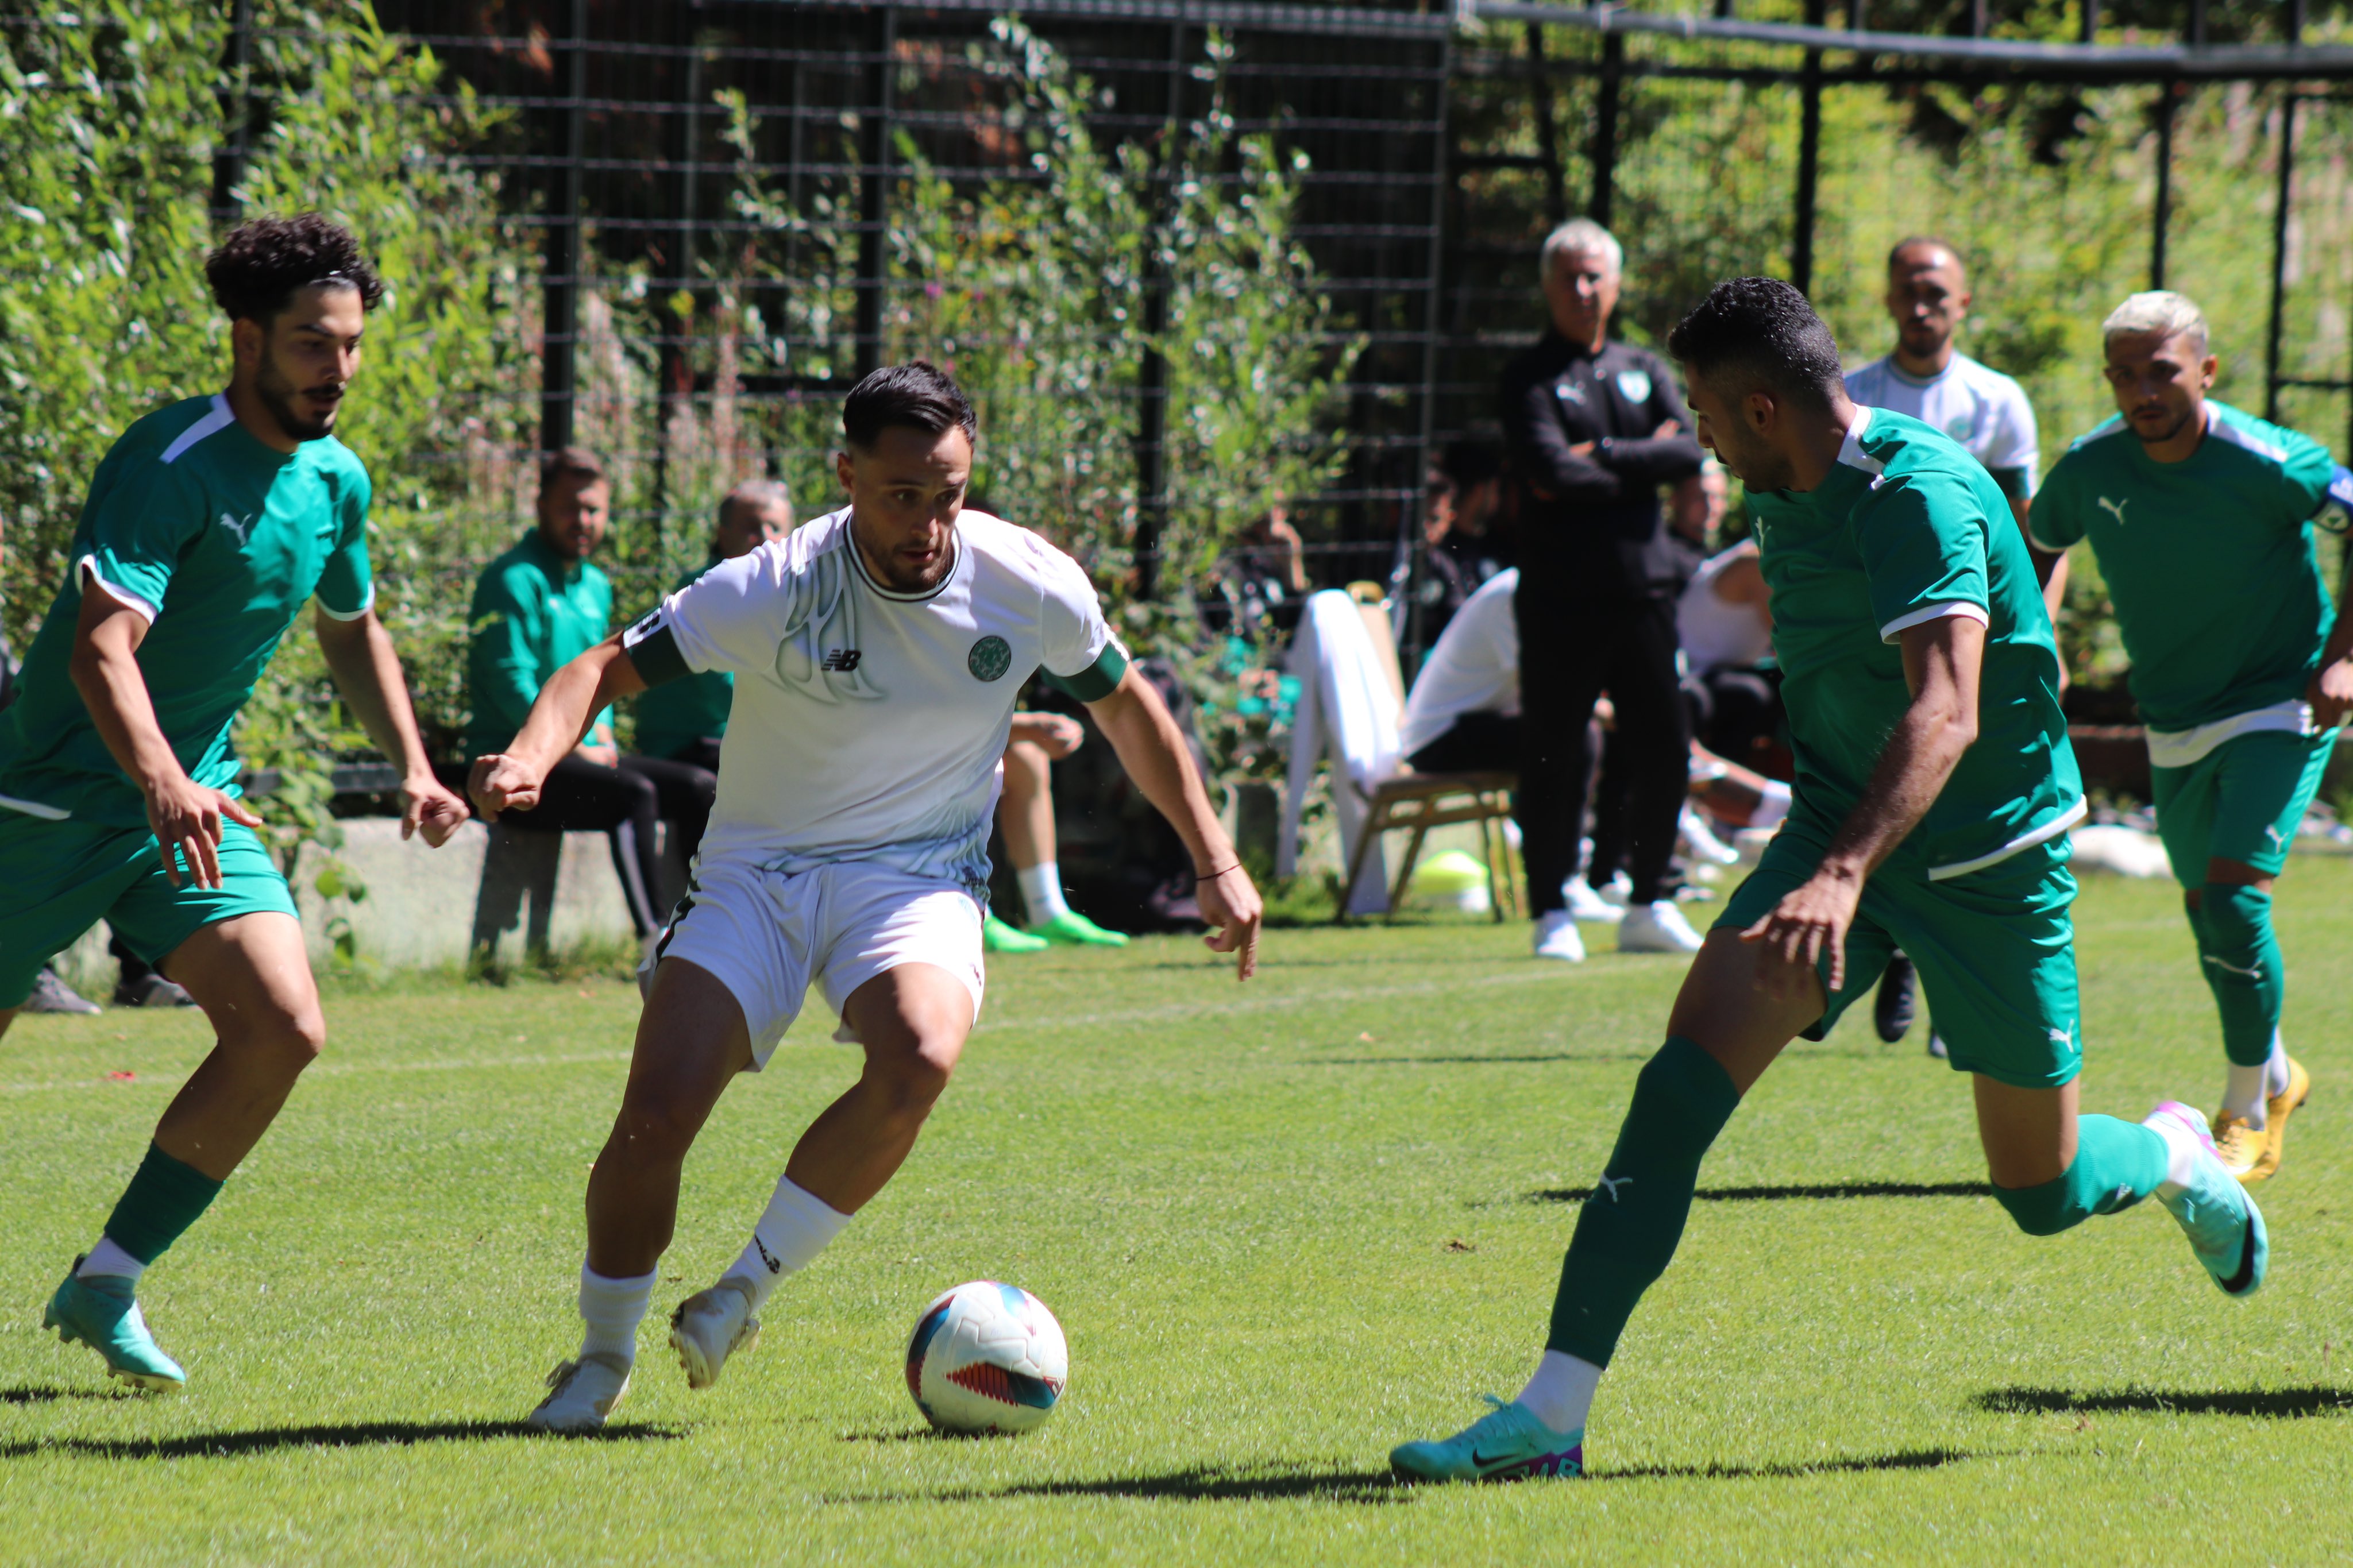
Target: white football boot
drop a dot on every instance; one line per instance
(1585, 904)
(582, 1394)
(1700, 840)
(1657, 928)
(710, 1326)
(1557, 938)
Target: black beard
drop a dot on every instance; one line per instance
(277, 394)
(2176, 427)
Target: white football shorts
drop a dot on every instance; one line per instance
(766, 935)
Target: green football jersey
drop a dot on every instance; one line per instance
(2210, 561)
(1909, 527)
(533, 613)
(677, 713)
(217, 540)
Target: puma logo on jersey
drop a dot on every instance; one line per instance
(2060, 1036)
(241, 529)
(2115, 508)
(839, 660)
(1568, 392)
(2279, 839)
(2253, 971)
(1611, 1183)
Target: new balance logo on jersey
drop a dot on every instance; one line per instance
(2115, 508)
(231, 525)
(839, 660)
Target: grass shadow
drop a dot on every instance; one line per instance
(1776, 1193)
(1478, 1061)
(347, 1435)
(2272, 1402)
(45, 1394)
(1906, 1459)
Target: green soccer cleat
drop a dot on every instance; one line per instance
(1072, 928)
(2225, 1230)
(996, 936)
(101, 1313)
(1507, 1444)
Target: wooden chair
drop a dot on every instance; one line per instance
(1419, 802)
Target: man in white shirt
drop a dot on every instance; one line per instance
(1985, 411)
(877, 653)
(1462, 715)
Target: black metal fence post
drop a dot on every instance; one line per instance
(1556, 171)
(237, 112)
(2280, 210)
(560, 288)
(1413, 514)
(1605, 127)
(1152, 374)
(874, 191)
(1809, 158)
(2169, 102)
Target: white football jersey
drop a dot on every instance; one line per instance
(867, 724)
(1981, 408)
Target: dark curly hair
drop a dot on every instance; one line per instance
(918, 394)
(1753, 333)
(257, 268)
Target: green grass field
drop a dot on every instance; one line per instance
(1285, 1227)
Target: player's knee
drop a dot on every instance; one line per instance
(1027, 769)
(293, 1036)
(657, 1123)
(2235, 919)
(913, 1080)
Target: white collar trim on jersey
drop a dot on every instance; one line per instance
(1850, 450)
(858, 561)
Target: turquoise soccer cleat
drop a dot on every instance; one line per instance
(2225, 1229)
(102, 1314)
(1507, 1444)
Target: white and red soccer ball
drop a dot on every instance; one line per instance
(986, 1357)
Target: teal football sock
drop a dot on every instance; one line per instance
(163, 1199)
(2117, 1163)
(2242, 959)
(1629, 1228)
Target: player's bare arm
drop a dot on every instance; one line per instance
(1056, 735)
(359, 656)
(2331, 692)
(1942, 660)
(185, 814)
(559, 719)
(1152, 749)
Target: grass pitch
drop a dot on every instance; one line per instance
(1285, 1227)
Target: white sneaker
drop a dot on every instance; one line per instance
(1656, 928)
(1618, 891)
(710, 1326)
(581, 1394)
(1585, 904)
(1701, 843)
(1557, 938)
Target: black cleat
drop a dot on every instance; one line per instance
(1892, 1010)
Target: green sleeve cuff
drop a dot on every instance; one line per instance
(1098, 681)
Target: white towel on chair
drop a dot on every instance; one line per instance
(1348, 710)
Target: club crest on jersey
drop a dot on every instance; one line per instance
(1635, 384)
(839, 660)
(990, 658)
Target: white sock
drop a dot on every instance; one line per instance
(1772, 805)
(1561, 1393)
(796, 1228)
(2181, 1151)
(612, 1309)
(108, 1259)
(2276, 1070)
(1041, 891)
(2243, 1094)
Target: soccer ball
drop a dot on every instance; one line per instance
(986, 1357)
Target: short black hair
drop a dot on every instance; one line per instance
(1467, 464)
(918, 394)
(1761, 333)
(570, 463)
(1923, 241)
(256, 269)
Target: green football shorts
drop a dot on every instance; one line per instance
(1995, 949)
(2241, 801)
(62, 877)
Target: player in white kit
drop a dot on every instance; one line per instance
(1987, 413)
(877, 653)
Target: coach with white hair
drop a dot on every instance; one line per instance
(1593, 428)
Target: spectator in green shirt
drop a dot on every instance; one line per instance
(538, 606)
(684, 721)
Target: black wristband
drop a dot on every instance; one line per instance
(1213, 876)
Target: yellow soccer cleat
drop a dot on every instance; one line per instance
(2275, 1115)
(2238, 1144)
